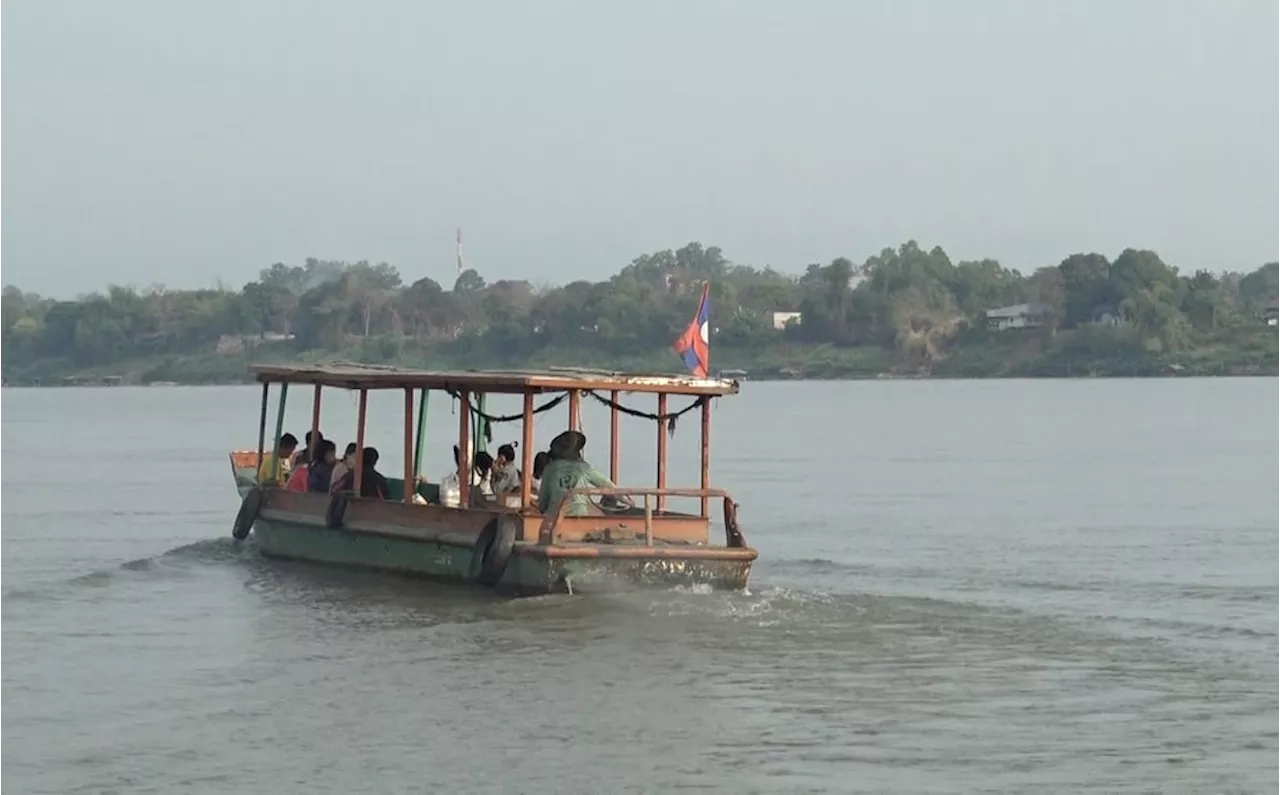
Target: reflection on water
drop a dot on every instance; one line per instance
(1010, 594)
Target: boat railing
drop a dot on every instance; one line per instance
(733, 536)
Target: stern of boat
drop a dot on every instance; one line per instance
(639, 550)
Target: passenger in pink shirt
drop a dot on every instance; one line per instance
(298, 476)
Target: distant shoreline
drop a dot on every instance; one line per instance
(99, 384)
(906, 313)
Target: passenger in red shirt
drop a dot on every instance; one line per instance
(298, 477)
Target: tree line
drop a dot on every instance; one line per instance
(916, 306)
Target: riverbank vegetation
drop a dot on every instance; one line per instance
(907, 312)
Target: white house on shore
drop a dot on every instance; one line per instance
(781, 320)
(1017, 316)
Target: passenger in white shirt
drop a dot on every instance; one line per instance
(505, 478)
(482, 472)
(540, 462)
(450, 491)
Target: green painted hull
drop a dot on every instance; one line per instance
(530, 571)
(282, 539)
(422, 549)
(246, 479)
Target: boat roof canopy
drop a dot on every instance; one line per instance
(518, 382)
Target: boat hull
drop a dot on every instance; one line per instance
(532, 568)
(289, 540)
(549, 554)
(537, 574)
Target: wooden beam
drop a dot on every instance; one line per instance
(648, 521)
(706, 452)
(275, 450)
(477, 426)
(315, 424)
(526, 454)
(262, 429)
(575, 410)
(361, 413)
(420, 449)
(410, 482)
(464, 449)
(613, 437)
(662, 447)
(494, 382)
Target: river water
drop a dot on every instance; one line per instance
(994, 586)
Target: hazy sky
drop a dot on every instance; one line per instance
(185, 142)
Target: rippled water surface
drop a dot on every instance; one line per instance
(964, 587)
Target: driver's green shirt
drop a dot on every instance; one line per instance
(561, 476)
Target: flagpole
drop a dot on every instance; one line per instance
(706, 296)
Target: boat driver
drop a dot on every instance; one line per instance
(567, 470)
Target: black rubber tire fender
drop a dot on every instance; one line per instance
(250, 506)
(337, 510)
(492, 552)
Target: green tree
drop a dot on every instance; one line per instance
(905, 307)
(1156, 318)
(1136, 270)
(1259, 289)
(372, 287)
(468, 282)
(1203, 301)
(1047, 286)
(1086, 287)
(985, 284)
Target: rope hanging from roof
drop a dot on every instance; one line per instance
(550, 404)
(669, 418)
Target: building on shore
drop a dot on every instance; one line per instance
(1017, 316)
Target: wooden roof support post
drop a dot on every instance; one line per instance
(662, 448)
(315, 425)
(575, 410)
(706, 452)
(275, 449)
(613, 437)
(422, 434)
(361, 413)
(464, 449)
(477, 425)
(262, 427)
(410, 483)
(526, 453)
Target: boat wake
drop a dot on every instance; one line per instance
(773, 613)
(179, 560)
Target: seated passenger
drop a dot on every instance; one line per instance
(505, 477)
(344, 466)
(274, 471)
(567, 470)
(481, 474)
(372, 483)
(320, 471)
(298, 473)
(481, 484)
(540, 462)
(450, 488)
(308, 447)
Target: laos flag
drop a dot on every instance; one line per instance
(694, 344)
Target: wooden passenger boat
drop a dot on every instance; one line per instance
(631, 540)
